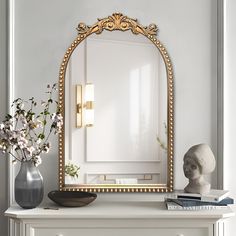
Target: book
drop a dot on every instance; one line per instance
(188, 203)
(170, 205)
(214, 195)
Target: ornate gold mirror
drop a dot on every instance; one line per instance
(116, 97)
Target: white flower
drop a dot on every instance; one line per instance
(29, 150)
(22, 143)
(43, 103)
(25, 131)
(15, 134)
(57, 122)
(46, 147)
(39, 124)
(22, 133)
(2, 126)
(21, 105)
(3, 147)
(9, 124)
(39, 140)
(22, 119)
(37, 160)
(57, 117)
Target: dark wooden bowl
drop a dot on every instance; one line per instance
(72, 199)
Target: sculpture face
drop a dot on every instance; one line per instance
(198, 161)
(191, 168)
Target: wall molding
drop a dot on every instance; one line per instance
(4, 225)
(220, 93)
(112, 176)
(11, 89)
(10, 97)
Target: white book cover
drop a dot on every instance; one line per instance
(215, 195)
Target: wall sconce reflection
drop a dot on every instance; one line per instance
(89, 102)
(85, 111)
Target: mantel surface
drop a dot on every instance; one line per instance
(116, 210)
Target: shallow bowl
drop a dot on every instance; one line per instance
(72, 199)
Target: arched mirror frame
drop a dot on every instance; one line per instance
(120, 22)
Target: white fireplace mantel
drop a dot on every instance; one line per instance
(117, 218)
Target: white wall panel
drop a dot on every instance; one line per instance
(229, 106)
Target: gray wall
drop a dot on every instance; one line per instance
(3, 110)
(189, 35)
(41, 42)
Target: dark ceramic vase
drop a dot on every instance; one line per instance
(28, 186)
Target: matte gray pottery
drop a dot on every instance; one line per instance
(28, 186)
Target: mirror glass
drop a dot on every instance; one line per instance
(127, 143)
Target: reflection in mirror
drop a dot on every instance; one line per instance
(118, 129)
(126, 141)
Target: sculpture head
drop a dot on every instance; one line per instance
(198, 160)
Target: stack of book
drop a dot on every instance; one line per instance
(215, 199)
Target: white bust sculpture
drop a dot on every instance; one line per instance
(198, 161)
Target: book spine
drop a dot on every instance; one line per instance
(194, 208)
(210, 199)
(186, 197)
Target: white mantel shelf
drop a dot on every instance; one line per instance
(105, 218)
(116, 210)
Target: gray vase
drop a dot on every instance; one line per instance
(28, 186)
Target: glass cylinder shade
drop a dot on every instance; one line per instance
(89, 100)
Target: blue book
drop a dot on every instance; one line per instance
(188, 203)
